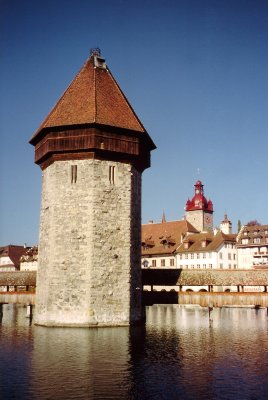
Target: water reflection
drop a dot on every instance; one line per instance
(179, 354)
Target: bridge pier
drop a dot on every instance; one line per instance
(29, 311)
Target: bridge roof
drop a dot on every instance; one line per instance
(18, 278)
(172, 277)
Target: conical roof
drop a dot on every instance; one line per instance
(93, 97)
(93, 118)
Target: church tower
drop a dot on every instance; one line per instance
(199, 211)
(226, 225)
(92, 149)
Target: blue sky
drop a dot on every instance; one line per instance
(195, 71)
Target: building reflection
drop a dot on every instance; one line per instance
(178, 354)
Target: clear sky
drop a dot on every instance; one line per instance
(195, 71)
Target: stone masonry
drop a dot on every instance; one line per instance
(89, 249)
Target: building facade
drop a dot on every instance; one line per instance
(208, 251)
(160, 242)
(29, 261)
(10, 257)
(252, 246)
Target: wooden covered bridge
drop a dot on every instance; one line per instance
(19, 287)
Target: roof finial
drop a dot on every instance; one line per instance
(95, 51)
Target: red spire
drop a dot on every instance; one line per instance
(199, 202)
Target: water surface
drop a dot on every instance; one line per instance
(179, 354)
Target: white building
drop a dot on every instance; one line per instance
(207, 251)
(10, 257)
(252, 246)
(29, 261)
(160, 241)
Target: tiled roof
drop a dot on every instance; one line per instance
(251, 232)
(13, 252)
(164, 237)
(93, 97)
(213, 242)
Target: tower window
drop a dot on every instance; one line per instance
(73, 173)
(111, 174)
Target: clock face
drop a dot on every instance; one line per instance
(207, 219)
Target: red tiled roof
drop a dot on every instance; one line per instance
(14, 253)
(93, 97)
(212, 242)
(165, 237)
(251, 232)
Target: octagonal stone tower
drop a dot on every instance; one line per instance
(92, 149)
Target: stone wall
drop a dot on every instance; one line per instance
(196, 219)
(90, 212)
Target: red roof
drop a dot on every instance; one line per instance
(14, 253)
(93, 97)
(165, 237)
(199, 201)
(213, 242)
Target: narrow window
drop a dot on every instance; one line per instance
(111, 174)
(154, 263)
(73, 173)
(163, 263)
(172, 262)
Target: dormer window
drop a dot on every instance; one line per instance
(147, 243)
(205, 242)
(167, 241)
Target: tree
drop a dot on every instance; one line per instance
(253, 223)
(239, 225)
